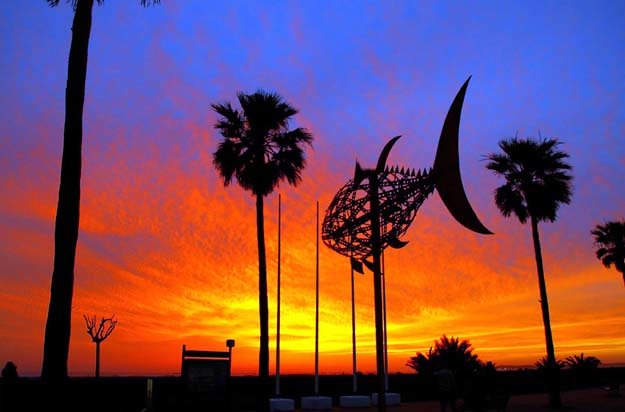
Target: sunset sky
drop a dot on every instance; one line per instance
(172, 253)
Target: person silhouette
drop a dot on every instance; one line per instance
(7, 388)
(446, 385)
(9, 372)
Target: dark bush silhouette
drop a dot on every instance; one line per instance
(543, 365)
(474, 379)
(453, 353)
(583, 367)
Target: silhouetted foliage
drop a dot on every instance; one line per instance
(260, 151)
(474, 379)
(451, 353)
(610, 243)
(74, 3)
(58, 323)
(542, 364)
(99, 334)
(578, 362)
(537, 178)
(582, 366)
(537, 182)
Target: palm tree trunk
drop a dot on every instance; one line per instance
(552, 370)
(97, 359)
(263, 357)
(58, 325)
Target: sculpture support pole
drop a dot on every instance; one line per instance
(376, 249)
(384, 320)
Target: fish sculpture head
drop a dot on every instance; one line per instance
(346, 226)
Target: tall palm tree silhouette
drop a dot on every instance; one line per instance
(58, 324)
(259, 151)
(610, 242)
(537, 182)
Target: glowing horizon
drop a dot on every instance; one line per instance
(170, 251)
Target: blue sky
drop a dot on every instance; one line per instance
(360, 72)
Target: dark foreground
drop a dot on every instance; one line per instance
(129, 394)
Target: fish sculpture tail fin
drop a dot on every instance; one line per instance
(446, 170)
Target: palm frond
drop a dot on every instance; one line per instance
(74, 3)
(610, 244)
(537, 178)
(268, 151)
(226, 159)
(543, 364)
(232, 123)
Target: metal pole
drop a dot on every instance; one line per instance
(354, 380)
(278, 298)
(317, 308)
(229, 361)
(385, 338)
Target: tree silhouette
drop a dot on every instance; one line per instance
(582, 362)
(99, 334)
(583, 366)
(470, 373)
(58, 324)
(259, 151)
(537, 182)
(610, 243)
(542, 364)
(457, 355)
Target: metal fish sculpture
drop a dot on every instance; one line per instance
(347, 224)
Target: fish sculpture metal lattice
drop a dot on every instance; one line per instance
(346, 225)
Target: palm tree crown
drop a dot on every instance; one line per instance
(537, 178)
(258, 148)
(145, 3)
(610, 242)
(452, 353)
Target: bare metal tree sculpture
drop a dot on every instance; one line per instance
(99, 334)
(374, 209)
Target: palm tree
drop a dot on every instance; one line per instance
(457, 355)
(542, 364)
(610, 242)
(58, 324)
(453, 354)
(582, 362)
(583, 367)
(259, 151)
(537, 182)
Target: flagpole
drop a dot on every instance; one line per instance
(354, 380)
(278, 303)
(317, 307)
